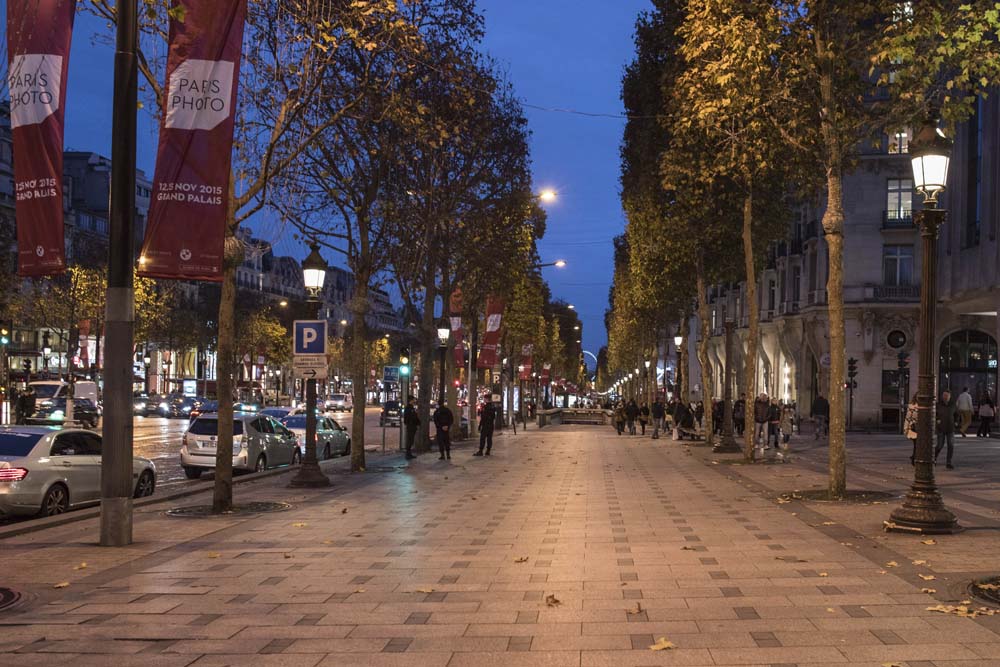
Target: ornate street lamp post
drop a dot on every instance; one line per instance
(681, 371)
(923, 510)
(728, 444)
(443, 331)
(309, 474)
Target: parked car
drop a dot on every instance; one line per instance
(278, 413)
(391, 414)
(180, 407)
(46, 389)
(53, 411)
(259, 442)
(252, 408)
(331, 438)
(339, 403)
(48, 470)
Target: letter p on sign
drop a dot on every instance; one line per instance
(309, 337)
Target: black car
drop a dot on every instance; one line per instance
(143, 404)
(391, 414)
(181, 406)
(53, 411)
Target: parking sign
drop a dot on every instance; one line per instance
(309, 337)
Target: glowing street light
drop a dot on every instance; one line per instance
(548, 195)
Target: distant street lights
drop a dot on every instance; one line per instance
(923, 510)
(559, 263)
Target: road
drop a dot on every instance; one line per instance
(159, 439)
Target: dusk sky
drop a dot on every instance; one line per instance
(562, 54)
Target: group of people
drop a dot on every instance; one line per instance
(951, 415)
(443, 419)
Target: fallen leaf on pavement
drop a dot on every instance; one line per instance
(425, 590)
(522, 559)
(928, 590)
(892, 563)
(343, 511)
(81, 566)
(920, 562)
(829, 523)
(288, 555)
(988, 587)
(831, 610)
(61, 584)
(636, 610)
(927, 577)
(215, 554)
(891, 664)
(823, 574)
(687, 548)
(552, 600)
(299, 525)
(883, 572)
(359, 590)
(327, 541)
(928, 541)
(661, 645)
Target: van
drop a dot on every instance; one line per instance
(46, 389)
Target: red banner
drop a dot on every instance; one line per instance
(546, 377)
(491, 339)
(185, 236)
(455, 306)
(38, 40)
(525, 367)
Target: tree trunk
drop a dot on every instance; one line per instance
(707, 379)
(685, 363)
(428, 344)
(473, 379)
(357, 360)
(750, 362)
(222, 497)
(833, 227)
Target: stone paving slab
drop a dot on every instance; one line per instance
(567, 547)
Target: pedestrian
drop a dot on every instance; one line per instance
(773, 424)
(718, 417)
(412, 422)
(443, 419)
(658, 414)
(910, 427)
(28, 406)
(487, 421)
(643, 417)
(964, 407)
(945, 411)
(699, 413)
(631, 414)
(787, 426)
(620, 418)
(986, 414)
(683, 419)
(19, 408)
(740, 415)
(820, 413)
(761, 409)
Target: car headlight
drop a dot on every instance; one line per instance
(187, 408)
(57, 414)
(140, 406)
(163, 406)
(46, 403)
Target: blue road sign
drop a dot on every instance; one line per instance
(390, 374)
(309, 337)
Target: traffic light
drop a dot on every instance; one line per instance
(5, 333)
(852, 368)
(404, 360)
(904, 361)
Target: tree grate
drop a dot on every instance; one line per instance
(9, 598)
(205, 511)
(986, 590)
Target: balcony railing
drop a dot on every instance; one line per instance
(897, 292)
(897, 219)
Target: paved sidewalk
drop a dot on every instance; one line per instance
(568, 547)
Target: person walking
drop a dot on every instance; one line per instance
(631, 414)
(820, 413)
(773, 424)
(443, 419)
(620, 418)
(411, 421)
(910, 427)
(787, 425)
(761, 409)
(658, 413)
(28, 406)
(699, 413)
(740, 415)
(487, 421)
(643, 417)
(987, 412)
(964, 407)
(718, 417)
(945, 413)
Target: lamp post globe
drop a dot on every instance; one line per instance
(314, 272)
(930, 157)
(678, 341)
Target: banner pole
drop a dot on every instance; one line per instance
(116, 462)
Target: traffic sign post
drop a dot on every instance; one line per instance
(390, 375)
(309, 362)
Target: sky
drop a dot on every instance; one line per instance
(559, 54)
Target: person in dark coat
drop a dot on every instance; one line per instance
(643, 417)
(487, 421)
(443, 419)
(631, 413)
(761, 409)
(718, 417)
(740, 414)
(773, 424)
(658, 413)
(699, 412)
(821, 414)
(945, 412)
(412, 422)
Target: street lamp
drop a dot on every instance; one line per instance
(678, 341)
(145, 364)
(309, 474)
(559, 263)
(314, 272)
(443, 331)
(923, 509)
(548, 195)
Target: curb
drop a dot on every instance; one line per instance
(35, 525)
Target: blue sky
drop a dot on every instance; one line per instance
(566, 54)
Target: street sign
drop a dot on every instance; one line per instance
(309, 366)
(390, 374)
(309, 337)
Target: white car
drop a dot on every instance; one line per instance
(339, 403)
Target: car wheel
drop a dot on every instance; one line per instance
(56, 501)
(296, 457)
(192, 473)
(145, 486)
(326, 451)
(261, 464)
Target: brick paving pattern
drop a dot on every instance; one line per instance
(569, 547)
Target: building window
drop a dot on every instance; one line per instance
(897, 265)
(899, 142)
(899, 200)
(772, 293)
(796, 284)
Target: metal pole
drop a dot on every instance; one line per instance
(116, 461)
(309, 474)
(923, 510)
(728, 444)
(443, 349)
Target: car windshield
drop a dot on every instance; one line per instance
(56, 403)
(392, 405)
(275, 412)
(13, 443)
(203, 426)
(295, 422)
(45, 390)
(338, 397)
